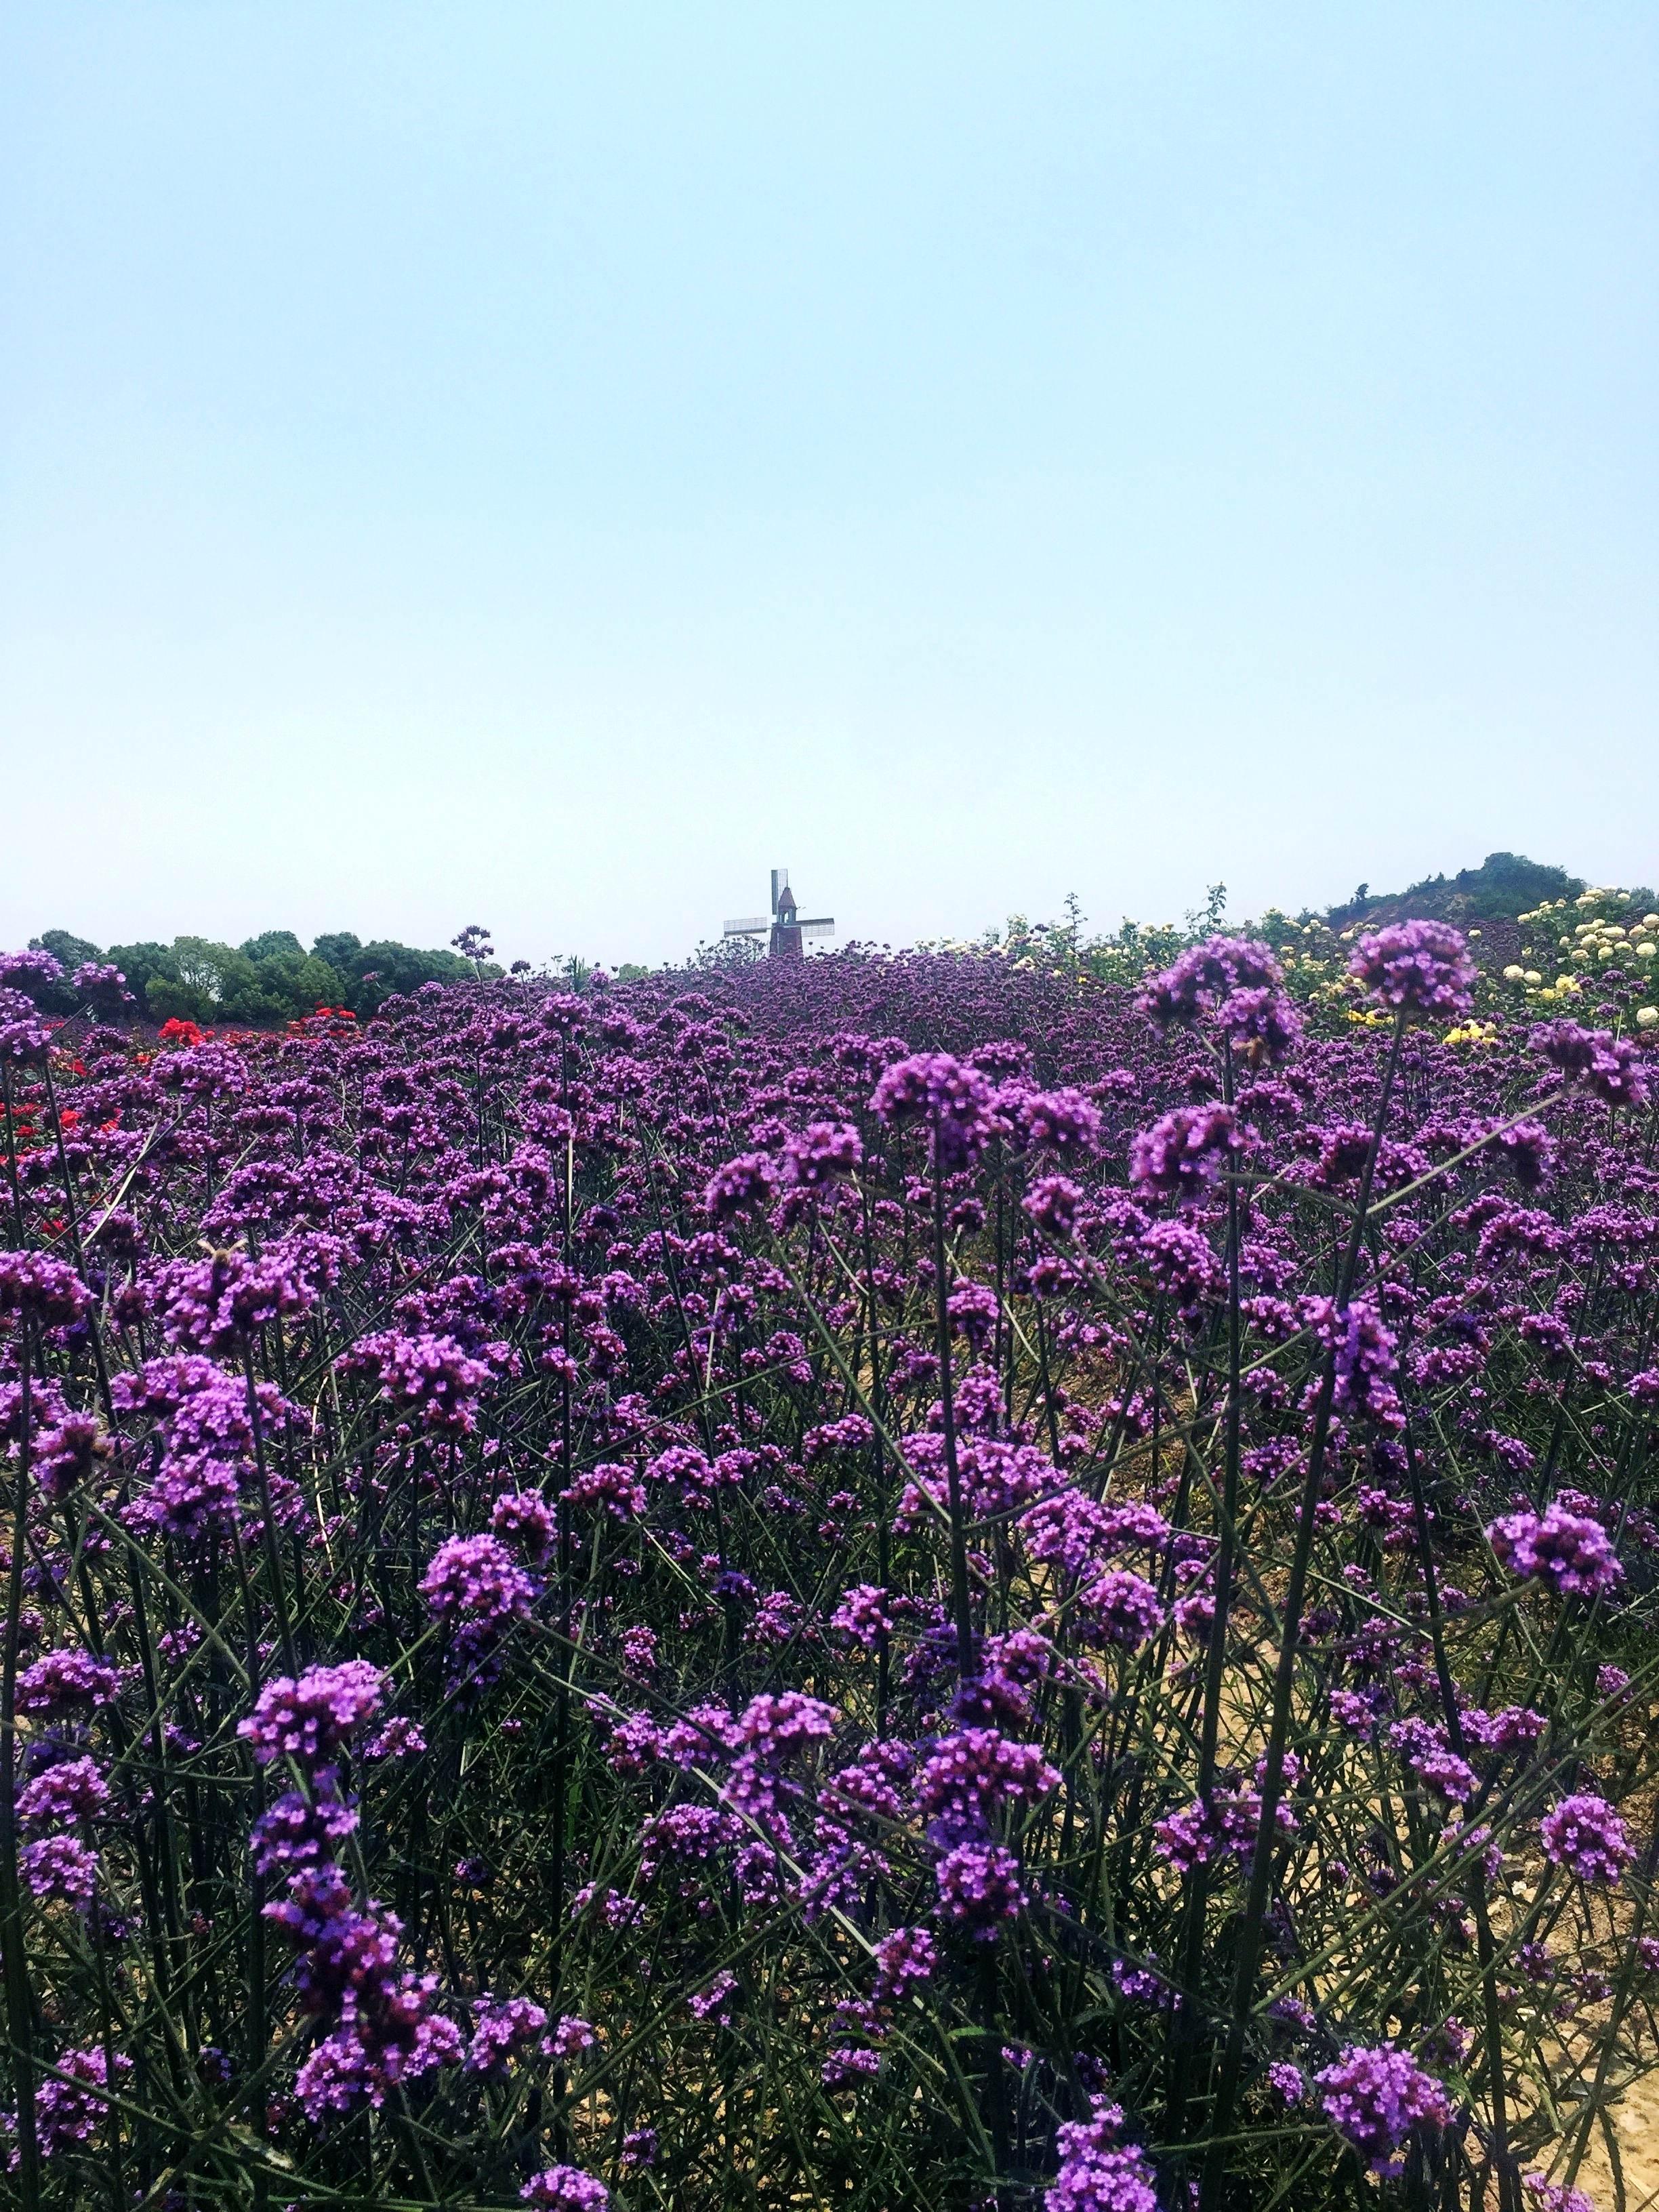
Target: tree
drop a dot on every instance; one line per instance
(68, 951)
(272, 942)
(144, 965)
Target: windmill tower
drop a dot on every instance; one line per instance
(787, 928)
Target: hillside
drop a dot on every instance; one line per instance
(1490, 899)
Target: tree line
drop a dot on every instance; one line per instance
(265, 979)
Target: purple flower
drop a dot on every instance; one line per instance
(522, 1516)
(1426, 1754)
(60, 1867)
(1263, 1025)
(616, 1488)
(967, 1775)
(32, 970)
(1121, 1609)
(73, 1789)
(1608, 1064)
(504, 2029)
(1052, 1203)
(639, 2150)
(1177, 1259)
(1572, 1553)
(1287, 2082)
(906, 1960)
(23, 1035)
(430, 1377)
(1062, 1122)
(743, 1185)
(299, 1832)
(979, 1888)
(1530, 1151)
(1365, 1363)
(1203, 1834)
(715, 2002)
(65, 1682)
(1181, 1156)
(216, 1304)
(1543, 2194)
(973, 1310)
(1416, 968)
(401, 1738)
(1375, 2096)
(1585, 1833)
(1096, 2173)
(67, 2112)
(476, 1580)
(311, 1718)
(102, 983)
(1235, 982)
(779, 1727)
(366, 2055)
(49, 1289)
(565, 2188)
(952, 1098)
(863, 1615)
(847, 2065)
(822, 1153)
(1206, 976)
(572, 2038)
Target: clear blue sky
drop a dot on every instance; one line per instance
(546, 465)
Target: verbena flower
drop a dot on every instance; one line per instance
(1097, 2173)
(951, 1099)
(1181, 1156)
(476, 1580)
(1375, 2096)
(1571, 1553)
(61, 1867)
(1586, 1835)
(1419, 968)
(67, 2112)
(504, 2028)
(565, 2188)
(310, 1718)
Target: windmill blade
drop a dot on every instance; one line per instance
(825, 926)
(751, 925)
(780, 884)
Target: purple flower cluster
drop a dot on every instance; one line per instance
(1584, 1834)
(1570, 1553)
(952, 1101)
(1376, 2097)
(1097, 2173)
(1419, 968)
(310, 1718)
(1181, 1156)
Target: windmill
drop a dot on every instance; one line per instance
(787, 928)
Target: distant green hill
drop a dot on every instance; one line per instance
(1505, 885)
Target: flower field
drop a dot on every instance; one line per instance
(936, 1580)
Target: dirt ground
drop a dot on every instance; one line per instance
(1636, 2123)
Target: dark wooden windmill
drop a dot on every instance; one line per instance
(787, 928)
